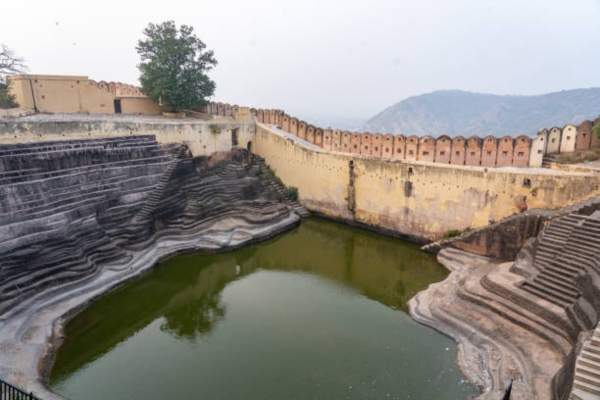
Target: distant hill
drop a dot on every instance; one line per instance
(454, 112)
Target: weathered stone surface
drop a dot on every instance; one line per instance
(522, 320)
(521, 202)
(68, 208)
(80, 217)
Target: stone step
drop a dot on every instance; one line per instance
(553, 274)
(588, 372)
(564, 268)
(546, 295)
(563, 287)
(586, 386)
(589, 362)
(593, 348)
(551, 291)
(590, 355)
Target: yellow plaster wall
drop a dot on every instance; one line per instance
(427, 202)
(61, 94)
(321, 177)
(139, 105)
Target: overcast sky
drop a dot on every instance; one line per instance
(327, 60)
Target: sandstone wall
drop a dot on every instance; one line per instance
(416, 199)
(197, 135)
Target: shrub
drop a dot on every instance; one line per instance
(451, 233)
(291, 192)
(215, 129)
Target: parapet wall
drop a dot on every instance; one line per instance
(489, 151)
(418, 200)
(197, 135)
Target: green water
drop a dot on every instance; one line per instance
(317, 313)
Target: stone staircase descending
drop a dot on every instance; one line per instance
(586, 384)
(69, 209)
(568, 250)
(298, 208)
(156, 195)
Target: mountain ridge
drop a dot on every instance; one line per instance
(458, 112)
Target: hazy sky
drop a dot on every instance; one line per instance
(327, 60)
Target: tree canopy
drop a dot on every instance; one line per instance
(10, 63)
(174, 66)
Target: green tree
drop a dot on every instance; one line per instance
(10, 64)
(597, 129)
(174, 66)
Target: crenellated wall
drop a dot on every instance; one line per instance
(418, 200)
(489, 151)
(79, 94)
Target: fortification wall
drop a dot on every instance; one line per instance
(415, 199)
(506, 151)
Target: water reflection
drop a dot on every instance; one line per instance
(185, 294)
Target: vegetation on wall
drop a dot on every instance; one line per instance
(215, 129)
(174, 66)
(579, 156)
(291, 192)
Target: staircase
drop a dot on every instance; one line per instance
(159, 189)
(549, 159)
(294, 204)
(586, 385)
(568, 249)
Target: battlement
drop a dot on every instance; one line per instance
(79, 94)
(488, 151)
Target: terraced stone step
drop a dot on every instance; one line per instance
(565, 288)
(584, 375)
(586, 387)
(547, 294)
